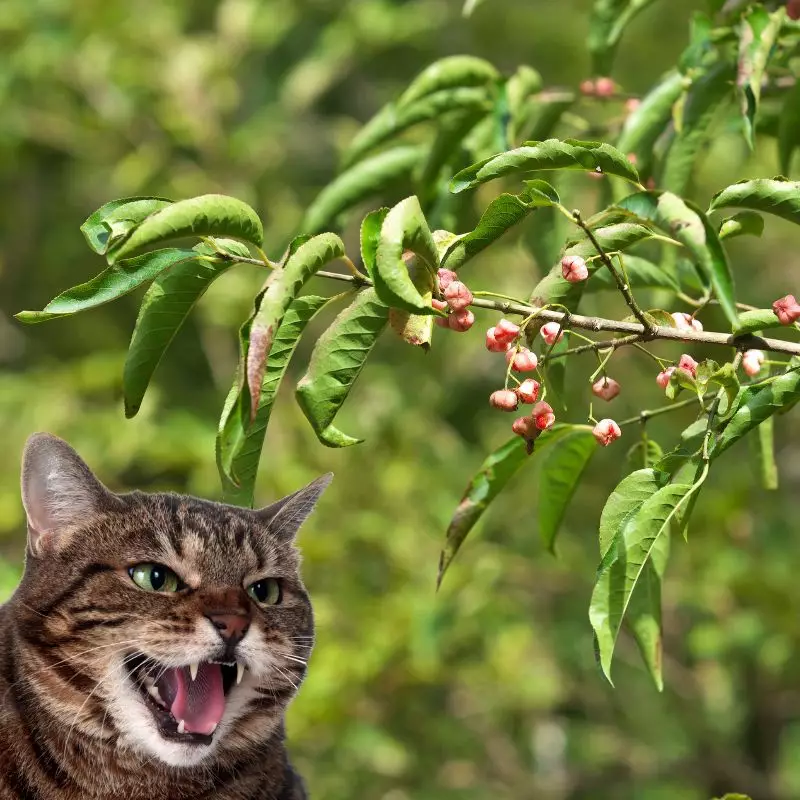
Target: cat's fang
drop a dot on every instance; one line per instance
(181, 727)
(239, 672)
(193, 667)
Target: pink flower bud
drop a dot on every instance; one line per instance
(688, 364)
(573, 268)
(461, 321)
(525, 427)
(632, 104)
(605, 87)
(522, 360)
(457, 295)
(587, 88)
(528, 390)
(605, 388)
(506, 331)
(543, 416)
(787, 309)
(504, 399)
(633, 158)
(446, 277)
(685, 322)
(551, 333)
(663, 377)
(439, 305)
(606, 431)
(493, 343)
(752, 361)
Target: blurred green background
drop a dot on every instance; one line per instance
(488, 689)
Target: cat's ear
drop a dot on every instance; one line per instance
(58, 490)
(285, 516)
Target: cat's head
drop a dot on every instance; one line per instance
(171, 626)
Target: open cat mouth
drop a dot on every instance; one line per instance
(187, 702)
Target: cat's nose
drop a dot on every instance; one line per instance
(232, 627)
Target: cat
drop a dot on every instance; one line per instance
(153, 643)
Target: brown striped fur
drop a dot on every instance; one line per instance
(71, 722)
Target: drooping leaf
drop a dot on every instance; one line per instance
(493, 476)
(789, 128)
(360, 182)
(764, 454)
(239, 443)
(96, 232)
(551, 154)
(404, 229)
(503, 213)
(336, 361)
(283, 287)
(370, 238)
(688, 225)
(755, 404)
(760, 319)
(395, 119)
(207, 215)
(640, 541)
(415, 329)
(745, 223)
(758, 33)
(165, 307)
(561, 471)
(449, 73)
(112, 283)
(606, 26)
(771, 196)
(641, 274)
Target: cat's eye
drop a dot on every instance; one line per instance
(266, 592)
(155, 578)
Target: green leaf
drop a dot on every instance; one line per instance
(789, 128)
(370, 238)
(284, 285)
(207, 215)
(449, 73)
(239, 443)
(550, 154)
(404, 229)
(109, 285)
(493, 476)
(503, 213)
(764, 455)
(96, 232)
(336, 361)
(758, 34)
(640, 541)
(771, 196)
(359, 183)
(415, 329)
(645, 453)
(545, 112)
(393, 119)
(641, 274)
(606, 26)
(758, 320)
(688, 225)
(756, 404)
(165, 307)
(745, 223)
(561, 471)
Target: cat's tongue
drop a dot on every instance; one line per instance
(200, 703)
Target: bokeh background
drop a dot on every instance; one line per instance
(490, 688)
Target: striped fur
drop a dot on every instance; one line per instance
(72, 723)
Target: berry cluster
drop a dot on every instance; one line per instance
(600, 87)
(457, 298)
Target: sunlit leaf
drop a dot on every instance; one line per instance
(449, 73)
(745, 223)
(336, 361)
(207, 215)
(771, 196)
(97, 233)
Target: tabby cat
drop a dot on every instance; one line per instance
(154, 642)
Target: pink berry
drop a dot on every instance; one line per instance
(551, 333)
(528, 391)
(493, 343)
(457, 295)
(752, 361)
(506, 331)
(686, 322)
(606, 431)
(504, 399)
(787, 309)
(461, 321)
(688, 364)
(793, 9)
(525, 427)
(651, 183)
(632, 104)
(605, 87)
(439, 305)
(574, 269)
(543, 416)
(663, 377)
(522, 360)
(605, 388)
(446, 277)
(587, 88)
